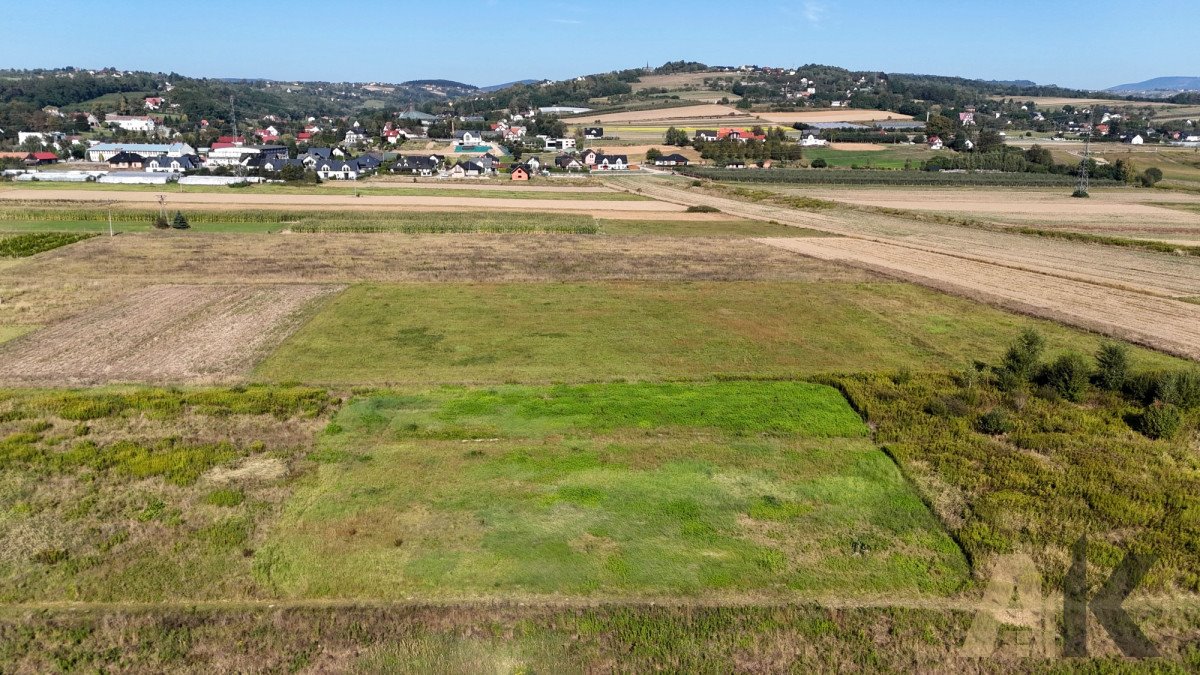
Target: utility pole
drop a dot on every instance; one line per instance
(110, 227)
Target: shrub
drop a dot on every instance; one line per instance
(1112, 363)
(819, 163)
(1177, 387)
(1160, 420)
(703, 208)
(1068, 376)
(180, 222)
(1023, 356)
(994, 422)
(160, 222)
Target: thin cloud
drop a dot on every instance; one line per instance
(570, 21)
(815, 12)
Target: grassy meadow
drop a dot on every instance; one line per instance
(580, 332)
(606, 490)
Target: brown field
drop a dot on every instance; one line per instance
(1061, 280)
(44, 288)
(300, 202)
(690, 112)
(677, 80)
(1137, 213)
(859, 147)
(198, 334)
(1167, 324)
(831, 115)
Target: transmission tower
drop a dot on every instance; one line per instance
(233, 118)
(1081, 188)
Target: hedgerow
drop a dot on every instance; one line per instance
(882, 177)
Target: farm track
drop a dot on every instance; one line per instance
(297, 202)
(199, 334)
(1119, 292)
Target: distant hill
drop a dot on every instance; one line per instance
(1160, 85)
(445, 84)
(506, 85)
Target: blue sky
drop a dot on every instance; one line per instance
(1092, 44)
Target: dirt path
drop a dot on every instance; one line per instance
(1120, 292)
(207, 200)
(198, 334)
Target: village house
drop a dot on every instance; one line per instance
(489, 161)
(611, 163)
(935, 143)
(810, 141)
(466, 170)
(140, 123)
(519, 172)
(706, 135)
(1137, 140)
(126, 160)
(40, 158)
(673, 159)
(415, 165)
(534, 164)
(568, 163)
(735, 164)
(588, 157)
(558, 144)
(468, 137)
(273, 164)
(355, 135)
(593, 133)
(337, 169)
(153, 102)
(166, 164)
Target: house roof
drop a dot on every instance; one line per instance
(338, 165)
(612, 159)
(142, 148)
(673, 157)
(126, 158)
(42, 156)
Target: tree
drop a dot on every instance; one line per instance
(939, 125)
(179, 222)
(1112, 366)
(292, 173)
(819, 163)
(743, 104)
(989, 140)
(1068, 375)
(653, 154)
(1023, 356)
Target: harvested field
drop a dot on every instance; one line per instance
(1167, 324)
(47, 288)
(844, 115)
(197, 334)
(1141, 271)
(192, 200)
(705, 111)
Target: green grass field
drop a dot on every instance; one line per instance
(704, 228)
(891, 157)
(621, 489)
(580, 332)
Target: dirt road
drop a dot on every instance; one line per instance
(1120, 292)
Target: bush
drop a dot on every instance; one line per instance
(1112, 363)
(1068, 376)
(1160, 420)
(819, 163)
(994, 422)
(1176, 387)
(160, 222)
(703, 208)
(180, 222)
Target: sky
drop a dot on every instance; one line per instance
(1091, 45)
